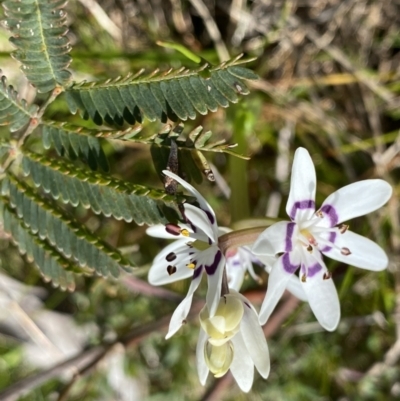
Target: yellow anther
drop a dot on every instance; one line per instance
(191, 265)
(185, 232)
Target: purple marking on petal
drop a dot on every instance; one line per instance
(301, 205)
(247, 305)
(288, 238)
(197, 272)
(209, 215)
(332, 214)
(332, 237)
(173, 229)
(311, 270)
(213, 267)
(287, 265)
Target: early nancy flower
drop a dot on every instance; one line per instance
(301, 242)
(195, 251)
(232, 339)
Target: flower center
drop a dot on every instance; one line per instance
(308, 239)
(200, 245)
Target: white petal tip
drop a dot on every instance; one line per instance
(330, 325)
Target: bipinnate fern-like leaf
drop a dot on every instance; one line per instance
(74, 142)
(176, 94)
(102, 193)
(53, 266)
(14, 112)
(49, 222)
(39, 30)
(190, 148)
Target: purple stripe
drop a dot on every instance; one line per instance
(312, 270)
(213, 267)
(287, 265)
(288, 238)
(332, 237)
(209, 215)
(301, 205)
(197, 272)
(331, 212)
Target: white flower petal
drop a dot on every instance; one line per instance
(295, 287)
(365, 253)
(214, 282)
(322, 297)
(301, 201)
(158, 274)
(159, 231)
(355, 200)
(202, 369)
(201, 201)
(255, 340)
(235, 271)
(200, 220)
(275, 239)
(180, 314)
(242, 367)
(277, 283)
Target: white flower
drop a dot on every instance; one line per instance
(301, 242)
(232, 339)
(195, 252)
(239, 261)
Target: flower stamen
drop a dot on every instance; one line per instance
(185, 232)
(327, 275)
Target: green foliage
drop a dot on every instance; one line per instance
(103, 194)
(49, 222)
(52, 265)
(175, 94)
(74, 142)
(14, 112)
(39, 34)
(189, 150)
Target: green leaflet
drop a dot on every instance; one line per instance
(179, 94)
(52, 265)
(48, 222)
(14, 112)
(102, 193)
(191, 146)
(40, 37)
(74, 142)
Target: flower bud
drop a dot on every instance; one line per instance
(218, 358)
(226, 321)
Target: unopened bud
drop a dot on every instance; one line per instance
(218, 358)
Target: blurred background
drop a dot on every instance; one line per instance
(329, 81)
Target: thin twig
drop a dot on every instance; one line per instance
(85, 361)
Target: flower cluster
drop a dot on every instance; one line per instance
(231, 336)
